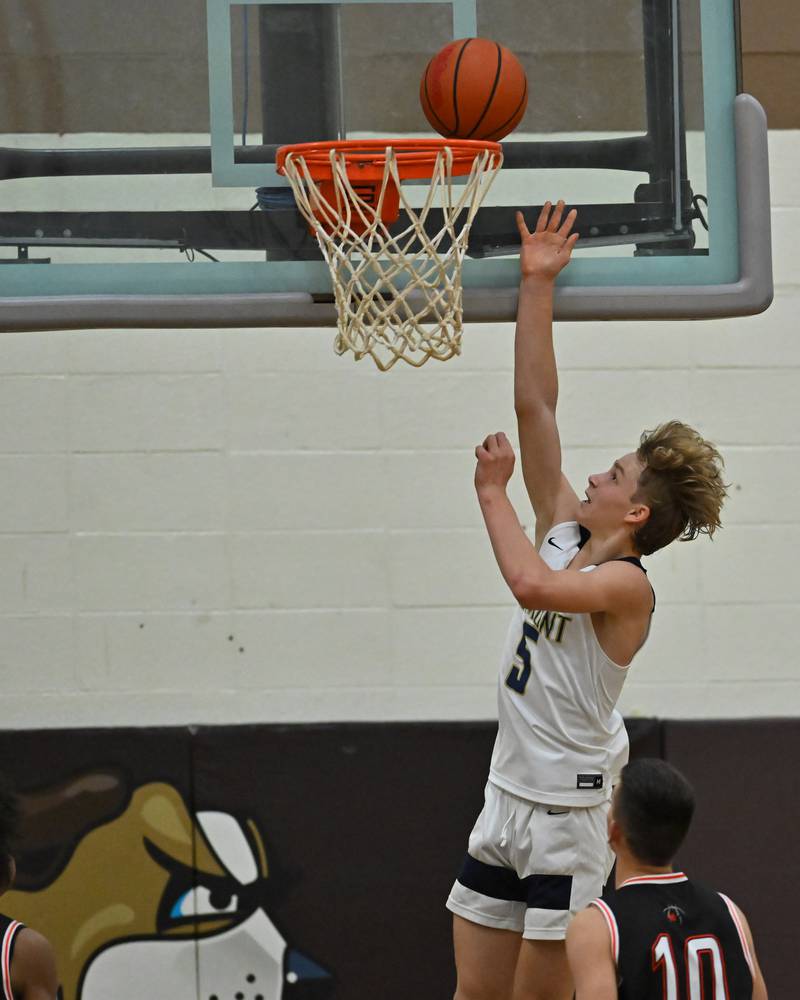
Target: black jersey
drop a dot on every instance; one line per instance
(8, 934)
(676, 940)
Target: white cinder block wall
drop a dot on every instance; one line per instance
(225, 526)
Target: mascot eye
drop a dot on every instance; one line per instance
(203, 902)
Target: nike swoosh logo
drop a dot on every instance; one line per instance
(563, 812)
(551, 542)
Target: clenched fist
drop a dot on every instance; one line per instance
(495, 462)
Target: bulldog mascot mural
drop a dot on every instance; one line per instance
(141, 898)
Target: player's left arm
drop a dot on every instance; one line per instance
(33, 967)
(615, 587)
(590, 957)
(759, 986)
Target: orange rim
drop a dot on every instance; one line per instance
(415, 157)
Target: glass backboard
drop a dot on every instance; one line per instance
(137, 168)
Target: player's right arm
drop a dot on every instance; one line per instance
(33, 968)
(590, 957)
(543, 253)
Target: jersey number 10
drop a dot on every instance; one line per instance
(696, 948)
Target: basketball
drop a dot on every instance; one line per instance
(474, 88)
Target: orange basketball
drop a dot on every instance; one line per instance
(474, 88)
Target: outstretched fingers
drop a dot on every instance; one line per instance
(570, 244)
(544, 215)
(568, 223)
(549, 220)
(555, 217)
(524, 232)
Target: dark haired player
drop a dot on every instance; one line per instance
(27, 962)
(659, 936)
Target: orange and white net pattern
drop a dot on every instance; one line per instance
(398, 293)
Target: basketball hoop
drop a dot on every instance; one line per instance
(397, 293)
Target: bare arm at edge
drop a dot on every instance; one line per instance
(590, 958)
(759, 986)
(33, 967)
(543, 254)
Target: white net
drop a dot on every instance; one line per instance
(398, 293)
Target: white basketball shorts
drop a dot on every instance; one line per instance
(530, 867)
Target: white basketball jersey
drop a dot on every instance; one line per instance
(560, 739)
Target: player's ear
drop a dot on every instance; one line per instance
(637, 514)
(614, 832)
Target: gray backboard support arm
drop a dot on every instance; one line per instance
(752, 293)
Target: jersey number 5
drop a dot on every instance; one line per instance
(518, 678)
(696, 947)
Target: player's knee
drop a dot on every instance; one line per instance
(483, 984)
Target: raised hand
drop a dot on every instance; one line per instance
(546, 250)
(495, 462)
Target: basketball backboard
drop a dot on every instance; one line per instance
(138, 178)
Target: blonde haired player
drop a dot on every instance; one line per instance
(538, 852)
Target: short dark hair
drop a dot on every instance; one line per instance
(9, 820)
(654, 807)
